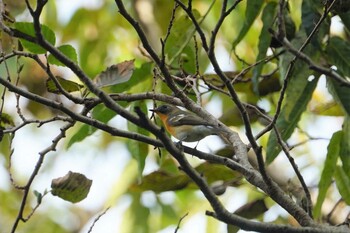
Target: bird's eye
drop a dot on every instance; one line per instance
(164, 108)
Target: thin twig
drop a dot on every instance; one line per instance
(38, 165)
(171, 23)
(96, 219)
(180, 220)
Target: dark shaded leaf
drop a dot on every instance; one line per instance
(250, 210)
(73, 187)
(28, 28)
(39, 196)
(345, 18)
(333, 151)
(311, 13)
(68, 51)
(340, 94)
(67, 85)
(338, 53)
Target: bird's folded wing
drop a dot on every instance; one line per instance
(187, 119)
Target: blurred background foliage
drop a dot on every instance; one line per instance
(102, 37)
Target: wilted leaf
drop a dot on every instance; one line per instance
(104, 114)
(67, 50)
(5, 120)
(28, 28)
(115, 74)
(232, 116)
(67, 85)
(72, 187)
(217, 172)
(161, 181)
(330, 108)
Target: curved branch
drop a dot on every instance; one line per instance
(77, 117)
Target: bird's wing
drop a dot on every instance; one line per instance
(186, 119)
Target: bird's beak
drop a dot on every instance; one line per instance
(153, 110)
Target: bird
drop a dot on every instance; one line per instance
(183, 125)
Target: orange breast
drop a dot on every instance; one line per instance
(164, 119)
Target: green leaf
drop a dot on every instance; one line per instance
(101, 113)
(299, 93)
(252, 11)
(73, 187)
(345, 145)
(28, 28)
(139, 215)
(338, 53)
(181, 34)
(268, 17)
(343, 183)
(39, 196)
(115, 74)
(83, 132)
(68, 51)
(138, 150)
(67, 85)
(333, 151)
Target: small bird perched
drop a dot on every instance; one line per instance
(183, 125)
